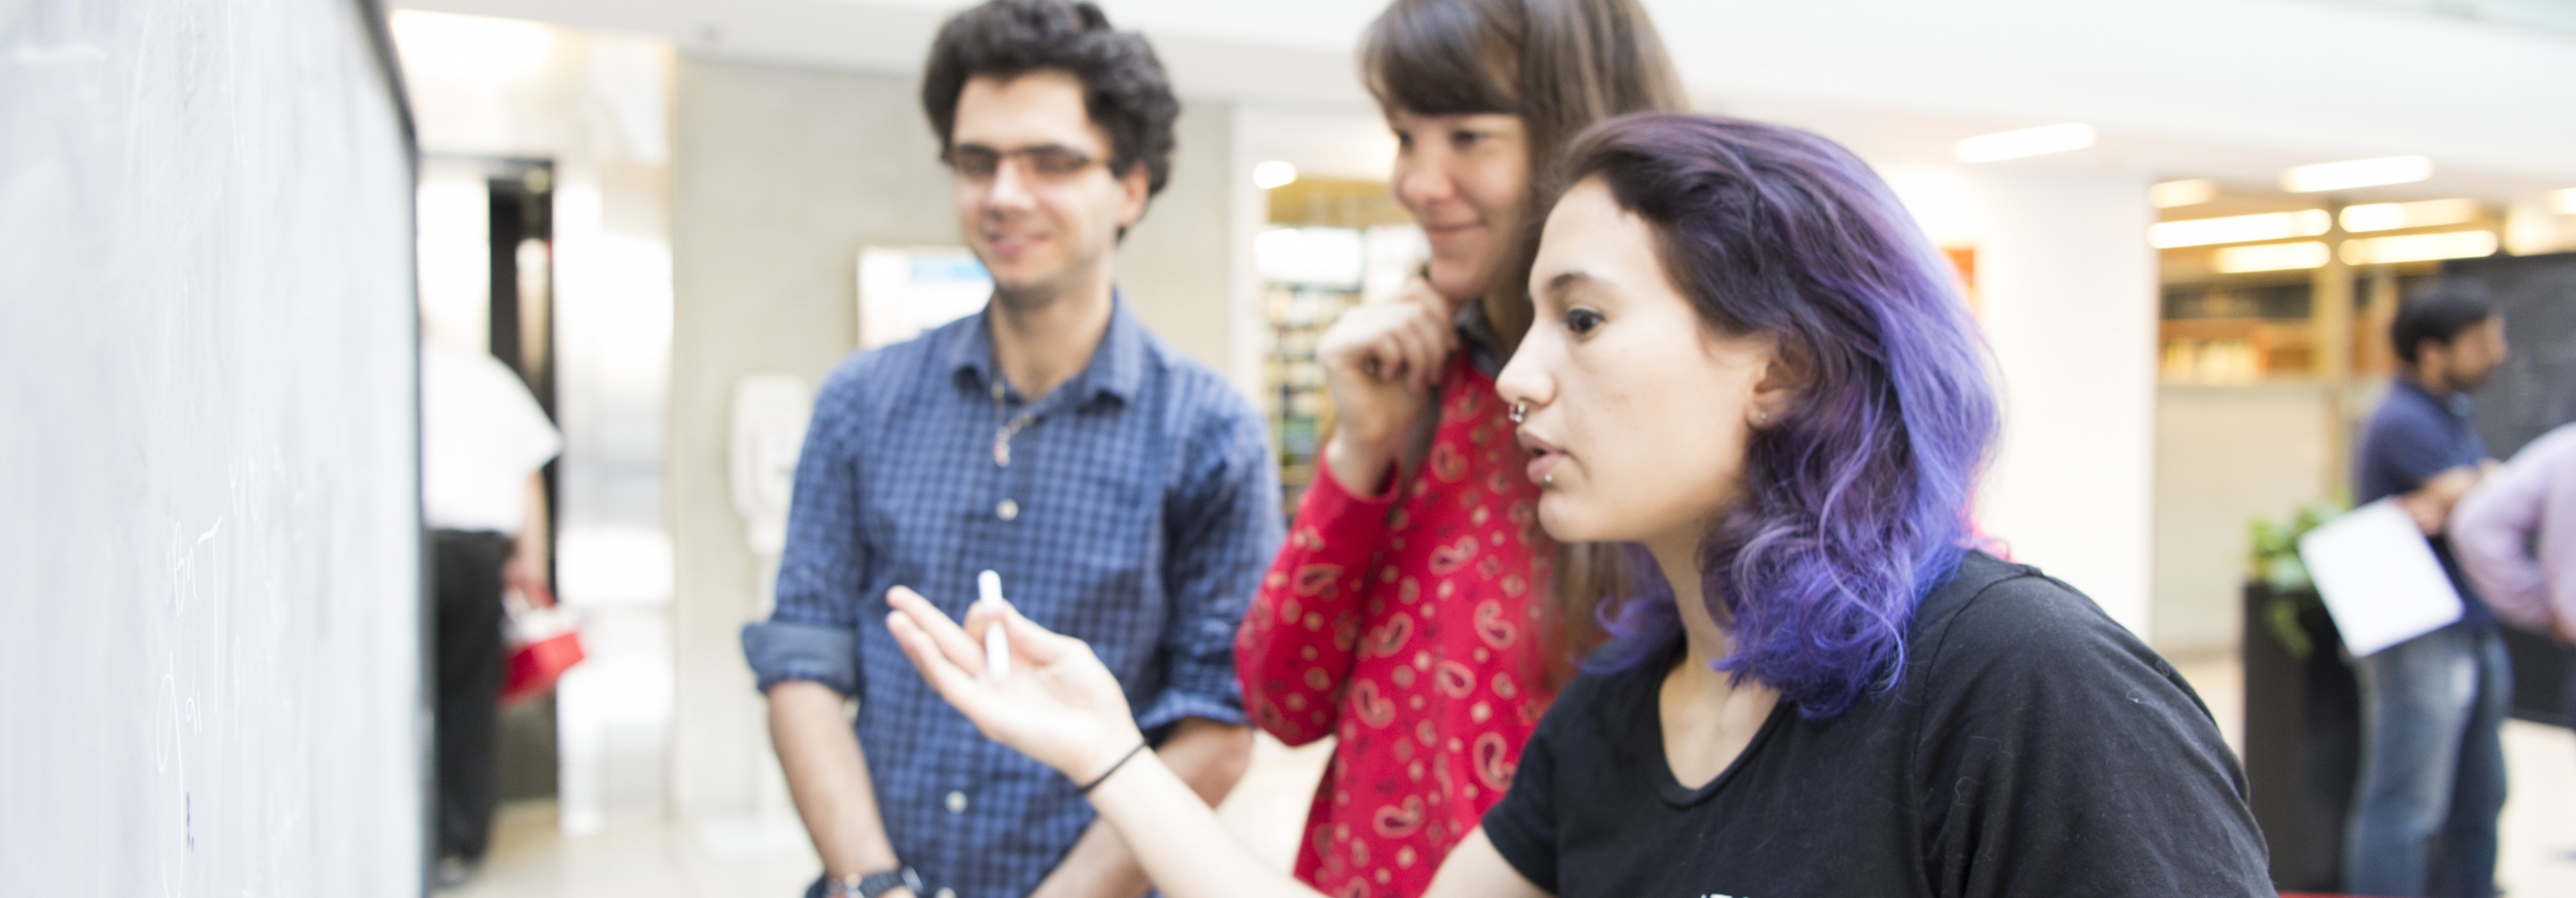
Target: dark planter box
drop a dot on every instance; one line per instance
(2302, 744)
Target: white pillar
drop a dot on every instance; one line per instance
(2068, 287)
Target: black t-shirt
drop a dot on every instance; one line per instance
(2032, 747)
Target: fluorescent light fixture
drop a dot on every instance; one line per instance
(2273, 257)
(2563, 202)
(2182, 193)
(2238, 228)
(2392, 216)
(2419, 247)
(1273, 173)
(2038, 141)
(2356, 173)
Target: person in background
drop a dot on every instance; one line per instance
(483, 439)
(1819, 690)
(2432, 778)
(1403, 615)
(2515, 536)
(1121, 491)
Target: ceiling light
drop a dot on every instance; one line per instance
(2272, 257)
(2025, 142)
(2419, 247)
(2238, 228)
(2182, 193)
(2563, 201)
(2392, 216)
(1273, 173)
(2356, 173)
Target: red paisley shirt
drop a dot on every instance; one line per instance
(1405, 624)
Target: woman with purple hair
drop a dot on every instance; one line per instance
(1749, 366)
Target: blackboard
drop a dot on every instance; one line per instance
(2536, 389)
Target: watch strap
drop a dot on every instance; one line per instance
(883, 881)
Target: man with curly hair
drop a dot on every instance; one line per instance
(1121, 491)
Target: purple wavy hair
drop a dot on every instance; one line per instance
(1857, 497)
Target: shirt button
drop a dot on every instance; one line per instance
(945, 892)
(956, 802)
(1007, 510)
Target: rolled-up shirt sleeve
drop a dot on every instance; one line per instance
(1222, 528)
(780, 652)
(813, 633)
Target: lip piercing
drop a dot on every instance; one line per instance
(1520, 410)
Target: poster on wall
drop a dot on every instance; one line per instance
(904, 291)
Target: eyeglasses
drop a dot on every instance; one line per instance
(1049, 161)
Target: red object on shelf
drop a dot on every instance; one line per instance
(544, 642)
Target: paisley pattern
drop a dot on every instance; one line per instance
(1429, 670)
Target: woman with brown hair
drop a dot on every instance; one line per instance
(1404, 615)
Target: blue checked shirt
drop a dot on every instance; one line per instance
(1136, 513)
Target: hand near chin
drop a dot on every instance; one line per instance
(1057, 704)
(1379, 362)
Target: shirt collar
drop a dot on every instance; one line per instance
(1116, 369)
(1483, 345)
(2459, 405)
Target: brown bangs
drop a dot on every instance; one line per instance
(1440, 59)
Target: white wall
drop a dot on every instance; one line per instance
(210, 605)
(2068, 292)
(2226, 455)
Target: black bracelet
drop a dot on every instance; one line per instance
(1113, 768)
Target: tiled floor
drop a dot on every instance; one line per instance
(532, 859)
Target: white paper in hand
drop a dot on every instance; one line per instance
(997, 645)
(2379, 577)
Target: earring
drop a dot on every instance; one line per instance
(1547, 481)
(1761, 418)
(1520, 411)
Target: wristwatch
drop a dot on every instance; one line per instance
(875, 884)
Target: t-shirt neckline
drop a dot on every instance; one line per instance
(1668, 785)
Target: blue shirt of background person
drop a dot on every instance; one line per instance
(2412, 438)
(1122, 491)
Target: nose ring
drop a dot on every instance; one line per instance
(1520, 411)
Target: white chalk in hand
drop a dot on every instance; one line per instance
(997, 646)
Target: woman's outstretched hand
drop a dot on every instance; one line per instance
(1056, 703)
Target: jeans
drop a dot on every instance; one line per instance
(2432, 766)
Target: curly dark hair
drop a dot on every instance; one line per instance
(1124, 88)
